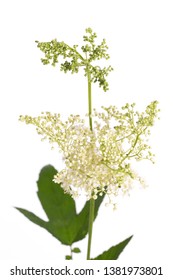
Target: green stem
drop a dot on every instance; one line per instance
(89, 100)
(90, 226)
(71, 252)
(92, 201)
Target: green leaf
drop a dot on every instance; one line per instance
(114, 252)
(59, 207)
(56, 204)
(76, 250)
(68, 257)
(33, 218)
(63, 221)
(60, 232)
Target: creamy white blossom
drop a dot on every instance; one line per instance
(98, 162)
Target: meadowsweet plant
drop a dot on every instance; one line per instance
(98, 148)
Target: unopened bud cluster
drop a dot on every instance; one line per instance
(73, 60)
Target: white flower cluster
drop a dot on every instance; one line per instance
(98, 161)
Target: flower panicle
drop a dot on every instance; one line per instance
(102, 157)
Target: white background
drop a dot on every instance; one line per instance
(139, 35)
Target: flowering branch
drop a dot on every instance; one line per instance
(98, 157)
(73, 61)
